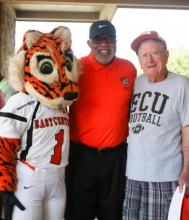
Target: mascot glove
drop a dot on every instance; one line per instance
(9, 201)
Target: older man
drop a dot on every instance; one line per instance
(158, 142)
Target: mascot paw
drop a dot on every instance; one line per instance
(9, 201)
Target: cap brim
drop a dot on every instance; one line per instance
(100, 32)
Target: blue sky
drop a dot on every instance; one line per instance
(172, 25)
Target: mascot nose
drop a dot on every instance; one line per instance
(71, 95)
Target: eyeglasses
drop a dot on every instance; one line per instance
(100, 40)
(154, 55)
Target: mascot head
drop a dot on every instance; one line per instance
(45, 68)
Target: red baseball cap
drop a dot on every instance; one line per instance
(148, 35)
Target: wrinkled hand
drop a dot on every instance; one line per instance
(184, 179)
(9, 201)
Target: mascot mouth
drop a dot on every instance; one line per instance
(71, 95)
(65, 101)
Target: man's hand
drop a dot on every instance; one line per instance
(9, 201)
(184, 177)
(184, 180)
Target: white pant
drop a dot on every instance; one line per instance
(42, 192)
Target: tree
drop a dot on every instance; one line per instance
(179, 61)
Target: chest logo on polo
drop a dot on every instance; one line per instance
(124, 81)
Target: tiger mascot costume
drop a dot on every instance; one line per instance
(34, 131)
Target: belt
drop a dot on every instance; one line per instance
(100, 149)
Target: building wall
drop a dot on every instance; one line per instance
(7, 36)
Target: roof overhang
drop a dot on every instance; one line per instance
(86, 10)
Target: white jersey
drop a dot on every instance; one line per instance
(158, 112)
(44, 132)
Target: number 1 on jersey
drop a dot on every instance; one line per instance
(57, 156)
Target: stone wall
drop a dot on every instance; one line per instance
(7, 36)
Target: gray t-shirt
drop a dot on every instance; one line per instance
(158, 112)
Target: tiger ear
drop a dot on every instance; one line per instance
(64, 34)
(16, 71)
(31, 37)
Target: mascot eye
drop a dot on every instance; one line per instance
(46, 66)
